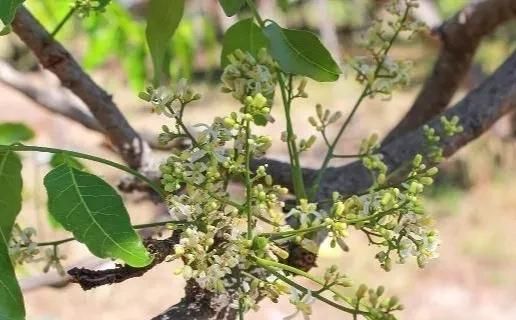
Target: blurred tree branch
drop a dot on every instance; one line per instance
(54, 99)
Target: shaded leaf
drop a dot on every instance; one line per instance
(231, 7)
(92, 210)
(11, 132)
(302, 53)
(11, 183)
(7, 11)
(245, 35)
(57, 160)
(163, 17)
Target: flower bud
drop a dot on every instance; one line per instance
(361, 291)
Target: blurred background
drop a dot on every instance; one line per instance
(473, 200)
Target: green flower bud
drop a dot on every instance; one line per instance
(361, 291)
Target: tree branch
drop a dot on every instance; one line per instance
(56, 100)
(54, 57)
(460, 37)
(90, 279)
(478, 111)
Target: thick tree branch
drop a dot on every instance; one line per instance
(478, 111)
(89, 279)
(54, 57)
(460, 37)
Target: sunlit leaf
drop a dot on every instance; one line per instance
(11, 299)
(231, 7)
(244, 35)
(163, 17)
(92, 210)
(302, 53)
(11, 132)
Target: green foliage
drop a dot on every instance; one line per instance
(302, 53)
(92, 210)
(11, 300)
(11, 132)
(245, 35)
(117, 34)
(7, 11)
(231, 7)
(163, 18)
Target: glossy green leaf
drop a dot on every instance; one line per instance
(92, 210)
(245, 35)
(302, 53)
(163, 17)
(11, 299)
(7, 11)
(11, 132)
(231, 7)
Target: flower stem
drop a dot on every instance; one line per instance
(365, 93)
(63, 22)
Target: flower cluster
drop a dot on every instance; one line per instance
(23, 249)
(247, 75)
(85, 7)
(379, 307)
(380, 73)
(324, 118)
(237, 249)
(450, 128)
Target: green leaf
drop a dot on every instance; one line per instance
(57, 160)
(7, 11)
(231, 7)
(61, 158)
(11, 183)
(11, 132)
(163, 17)
(244, 35)
(301, 53)
(92, 210)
